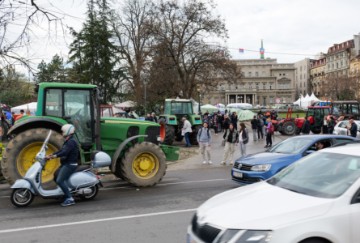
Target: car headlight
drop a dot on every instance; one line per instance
(265, 167)
(249, 236)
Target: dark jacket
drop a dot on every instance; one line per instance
(69, 152)
(254, 123)
(353, 130)
(306, 127)
(231, 136)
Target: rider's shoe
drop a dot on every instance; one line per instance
(68, 202)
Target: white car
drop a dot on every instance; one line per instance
(314, 200)
(341, 128)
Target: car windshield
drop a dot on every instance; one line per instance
(323, 174)
(291, 146)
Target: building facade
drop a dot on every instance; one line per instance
(263, 82)
(317, 77)
(302, 77)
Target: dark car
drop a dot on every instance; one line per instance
(261, 166)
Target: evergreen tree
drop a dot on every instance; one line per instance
(91, 52)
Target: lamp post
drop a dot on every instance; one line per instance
(300, 99)
(198, 90)
(144, 78)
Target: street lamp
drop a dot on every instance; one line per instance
(145, 79)
(198, 90)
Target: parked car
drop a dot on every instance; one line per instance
(341, 128)
(261, 166)
(314, 200)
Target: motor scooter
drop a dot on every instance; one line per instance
(82, 183)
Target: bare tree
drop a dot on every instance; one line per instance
(184, 29)
(17, 23)
(340, 88)
(133, 25)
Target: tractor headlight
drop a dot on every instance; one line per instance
(261, 168)
(246, 236)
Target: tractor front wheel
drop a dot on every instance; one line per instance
(143, 165)
(20, 153)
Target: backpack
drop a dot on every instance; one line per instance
(271, 129)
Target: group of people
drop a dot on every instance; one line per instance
(233, 136)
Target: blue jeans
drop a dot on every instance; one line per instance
(187, 139)
(64, 174)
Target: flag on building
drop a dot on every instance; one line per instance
(241, 50)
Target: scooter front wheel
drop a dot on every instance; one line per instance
(21, 197)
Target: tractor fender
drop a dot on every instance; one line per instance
(120, 148)
(22, 183)
(36, 122)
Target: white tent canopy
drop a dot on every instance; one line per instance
(306, 101)
(26, 107)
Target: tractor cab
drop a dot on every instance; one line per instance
(75, 103)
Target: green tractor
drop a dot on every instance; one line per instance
(174, 110)
(134, 145)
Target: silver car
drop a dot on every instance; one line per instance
(342, 128)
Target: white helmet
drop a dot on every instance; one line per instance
(67, 130)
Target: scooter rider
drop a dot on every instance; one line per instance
(68, 155)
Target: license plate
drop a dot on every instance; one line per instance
(238, 174)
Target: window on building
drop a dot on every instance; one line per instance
(249, 74)
(256, 74)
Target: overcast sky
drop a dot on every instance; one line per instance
(291, 29)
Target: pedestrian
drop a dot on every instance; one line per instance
(353, 128)
(234, 119)
(325, 127)
(231, 137)
(153, 115)
(226, 123)
(305, 129)
(68, 154)
(254, 127)
(331, 125)
(204, 139)
(220, 118)
(148, 117)
(243, 138)
(269, 133)
(260, 127)
(185, 131)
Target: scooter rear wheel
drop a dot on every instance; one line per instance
(91, 195)
(21, 197)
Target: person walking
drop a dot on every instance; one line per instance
(234, 119)
(260, 127)
(353, 128)
(231, 137)
(331, 125)
(185, 131)
(243, 138)
(226, 123)
(254, 127)
(154, 118)
(204, 139)
(305, 129)
(269, 133)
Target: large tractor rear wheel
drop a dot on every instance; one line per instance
(193, 135)
(20, 153)
(169, 135)
(288, 128)
(144, 164)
